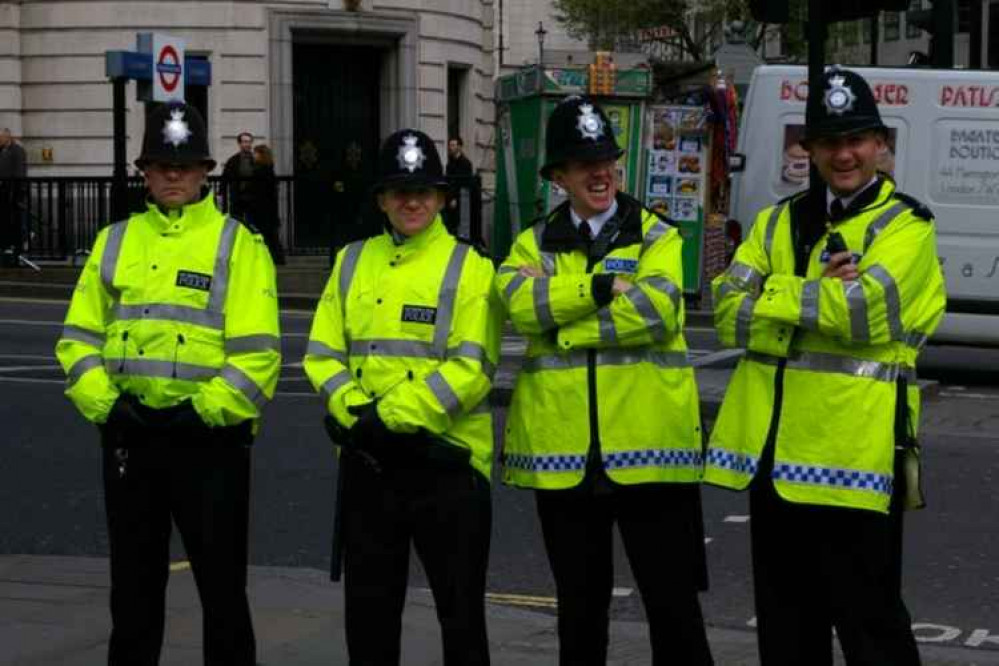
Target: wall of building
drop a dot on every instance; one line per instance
(54, 94)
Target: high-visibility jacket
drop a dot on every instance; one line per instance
(618, 373)
(174, 306)
(824, 356)
(414, 326)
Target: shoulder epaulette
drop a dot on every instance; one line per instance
(919, 209)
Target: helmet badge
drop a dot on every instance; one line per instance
(410, 156)
(176, 130)
(839, 98)
(590, 125)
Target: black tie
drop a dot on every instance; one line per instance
(585, 231)
(836, 210)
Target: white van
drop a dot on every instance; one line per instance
(944, 151)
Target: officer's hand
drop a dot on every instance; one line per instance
(620, 286)
(124, 415)
(335, 431)
(531, 272)
(369, 431)
(841, 266)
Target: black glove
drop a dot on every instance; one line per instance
(335, 431)
(370, 432)
(125, 414)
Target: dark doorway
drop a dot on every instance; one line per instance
(336, 116)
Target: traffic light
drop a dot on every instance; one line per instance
(779, 11)
(940, 22)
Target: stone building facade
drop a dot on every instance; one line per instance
(314, 79)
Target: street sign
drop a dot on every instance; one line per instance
(168, 65)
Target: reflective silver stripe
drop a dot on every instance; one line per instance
(81, 367)
(393, 348)
(607, 357)
(662, 359)
(547, 258)
(220, 279)
(916, 339)
(244, 384)
(482, 408)
(351, 254)
(608, 331)
(768, 241)
(743, 320)
(502, 270)
(252, 343)
(847, 479)
(810, 304)
(474, 352)
(655, 232)
(745, 277)
(137, 367)
(444, 393)
(643, 304)
(317, 348)
(836, 364)
(333, 384)
(542, 304)
(109, 260)
(878, 225)
(857, 305)
(447, 297)
(84, 335)
(513, 286)
(727, 288)
(893, 304)
(175, 313)
(665, 286)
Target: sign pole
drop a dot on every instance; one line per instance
(817, 32)
(119, 186)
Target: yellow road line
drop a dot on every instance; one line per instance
(183, 565)
(521, 600)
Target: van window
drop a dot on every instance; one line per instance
(965, 162)
(793, 162)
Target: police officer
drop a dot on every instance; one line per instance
(604, 421)
(402, 350)
(171, 346)
(832, 300)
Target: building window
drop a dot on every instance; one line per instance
(457, 82)
(911, 31)
(865, 30)
(849, 34)
(892, 26)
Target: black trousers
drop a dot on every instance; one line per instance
(816, 568)
(203, 486)
(662, 530)
(446, 514)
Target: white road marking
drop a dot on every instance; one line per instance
(708, 540)
(30, 322)
(30, 357)
(969, 396)
(736, 519)
(622, 592)
(22, 368)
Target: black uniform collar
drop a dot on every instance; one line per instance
(561, 235)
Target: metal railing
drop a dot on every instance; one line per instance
(58, 218)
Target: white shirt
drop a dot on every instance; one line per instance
(596, 222)
(846, 201)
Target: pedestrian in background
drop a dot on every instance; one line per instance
(13, 198)
(263, 213)
(237, 175)
(832, 301)
(171, 347)
(403, 348)
(604, 422)
(458, 171)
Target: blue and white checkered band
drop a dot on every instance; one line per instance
(410, 155)
(848, 479)
(670, 458)
(736, 462)
(590, 124)
(839, 98)
(175, 130)
(566, 463)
